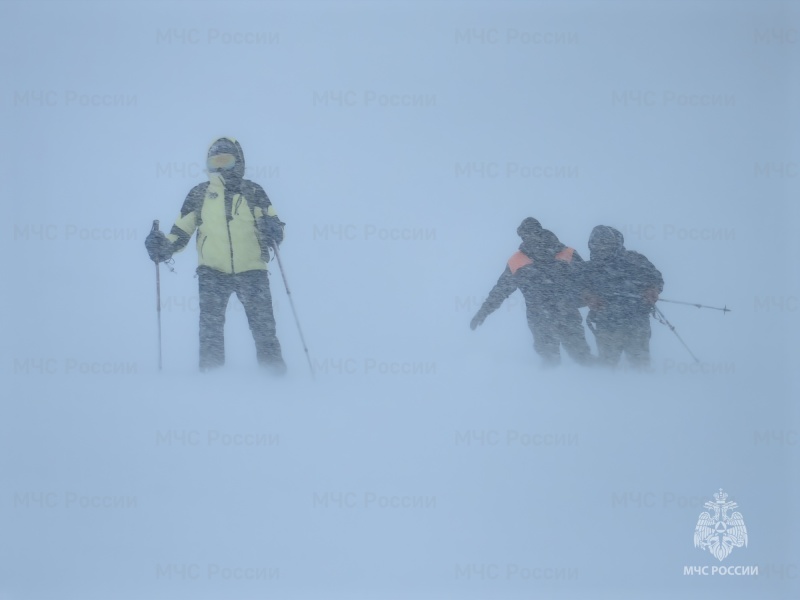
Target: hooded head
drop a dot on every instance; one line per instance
(605, 242)
(546, 246)
(226, 159)
(537, 243)
(529, 229)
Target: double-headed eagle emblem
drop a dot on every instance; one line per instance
(720, 534)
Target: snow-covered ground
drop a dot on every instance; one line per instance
(402, 143)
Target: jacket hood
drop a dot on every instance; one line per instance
(543, 247)
(605, 242)
(529, 228)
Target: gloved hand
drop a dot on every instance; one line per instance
(477, 320)
(159, 248)
(593, 302)
(651, 295)
(270, 233)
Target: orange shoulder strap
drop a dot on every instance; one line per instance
(518, 261)
(565, 255)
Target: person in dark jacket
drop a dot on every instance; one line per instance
(236, 226)
(620, 287)
(543, 270)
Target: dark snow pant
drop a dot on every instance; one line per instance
(552, 327)
(252, 289)
(616, 334)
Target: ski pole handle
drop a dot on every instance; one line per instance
(155, 225)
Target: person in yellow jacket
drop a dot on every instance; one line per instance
(236, 226)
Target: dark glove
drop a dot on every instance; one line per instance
(270, 232)
(478, 319)
(159, 248)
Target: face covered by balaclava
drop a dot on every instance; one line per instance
(225, 159)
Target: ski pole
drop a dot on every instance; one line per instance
(294, 311)
(724, 310)
(659, 316)
(158, 300)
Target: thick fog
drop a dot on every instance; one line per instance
(402, 143)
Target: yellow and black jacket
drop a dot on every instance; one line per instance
(225, 216)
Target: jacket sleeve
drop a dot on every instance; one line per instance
(505, 286)
(189, 218)
(647, 274)
(268, 225)
(658, 280)
(582, 288)
(574, 285)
